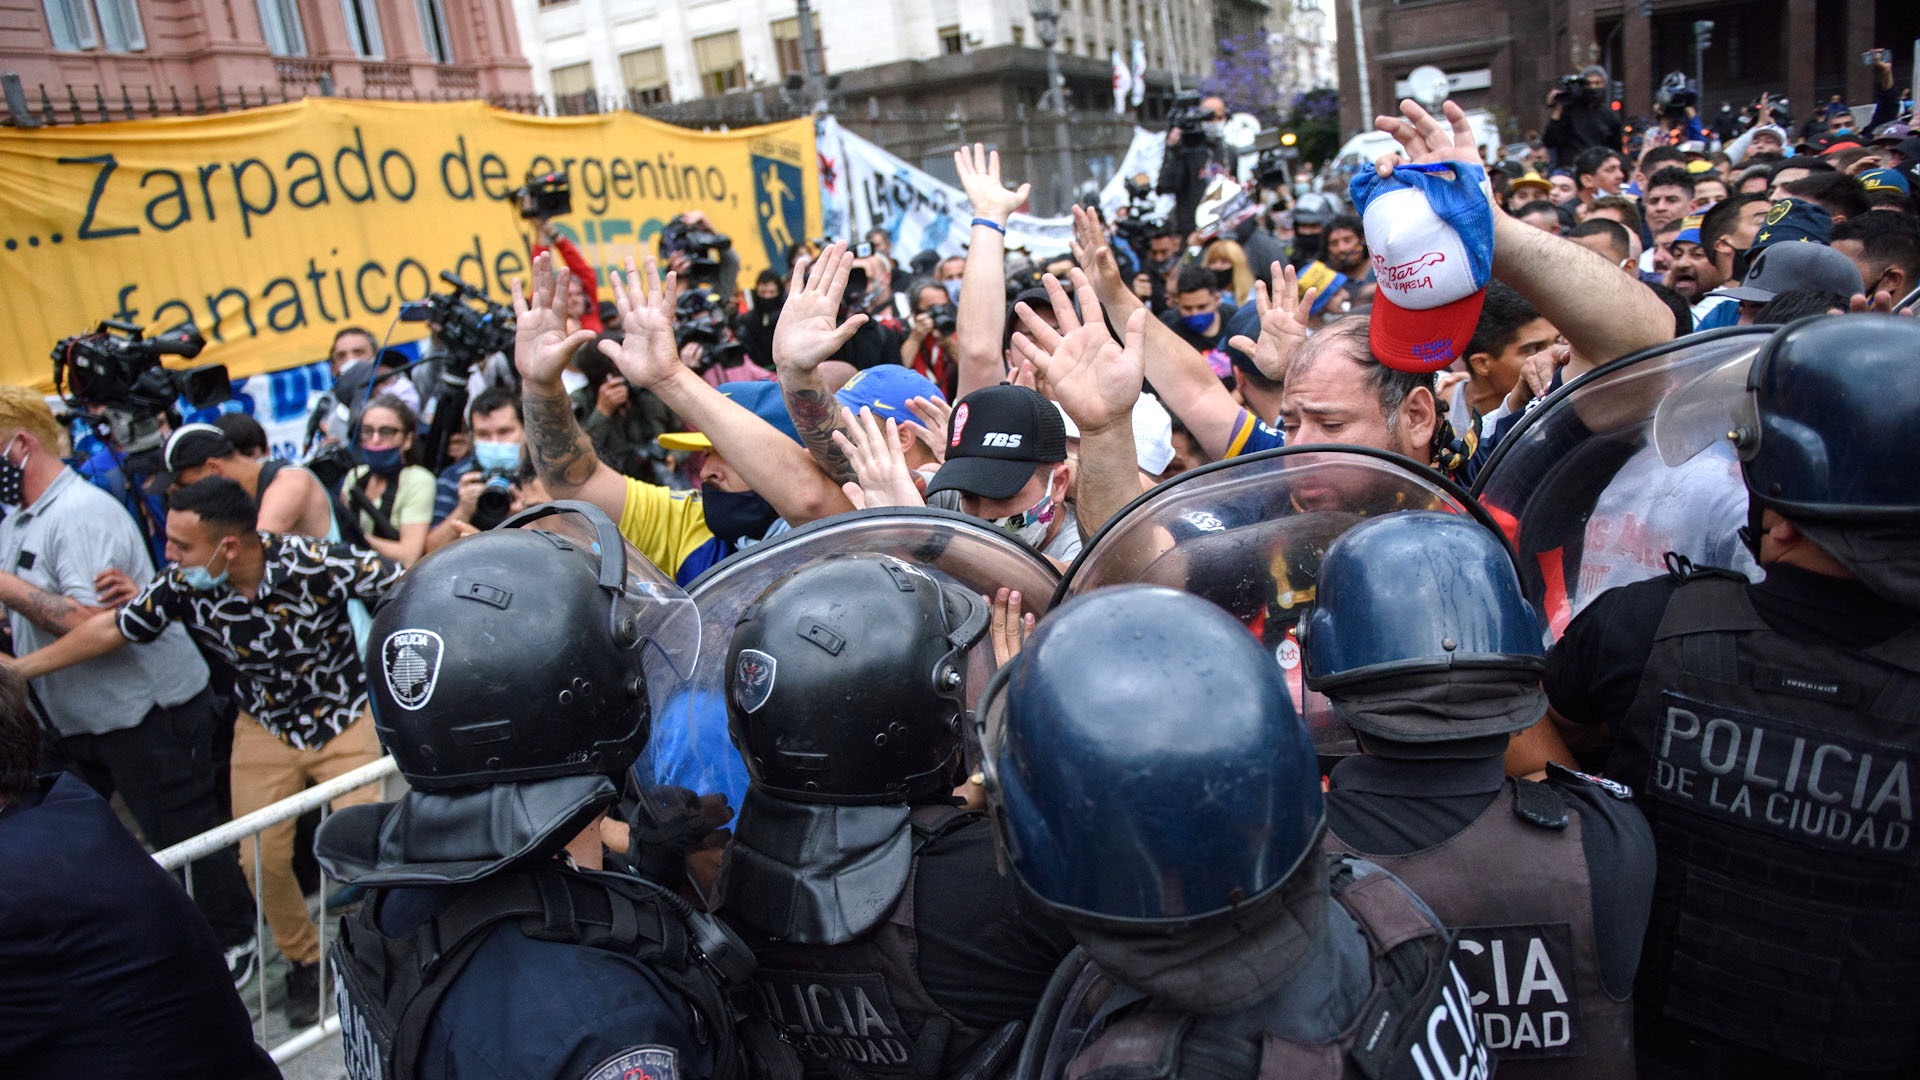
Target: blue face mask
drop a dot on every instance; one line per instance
(953, 289)
(1199, 321)
(200, 578)
(496, 457)
(384, 462)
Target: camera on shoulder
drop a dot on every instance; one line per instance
(547, 196)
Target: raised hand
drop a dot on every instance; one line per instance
(1425, 140)
(980, 177)
(808, 332)
(1009, 628)
(541, 344)
(933, 414)
(1093, 378)
(1283, 324)
(1092, 250)
(648, 354)
(879, 466)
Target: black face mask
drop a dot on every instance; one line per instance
(1740, 261)
(1161, 266)
(1307, 247)
(736, 515)
(768, 305)
(1223, 280)
(1590, 96)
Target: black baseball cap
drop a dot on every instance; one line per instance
(995, 438)
(192, 444)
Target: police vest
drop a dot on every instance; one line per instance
(388, 988)
(859, 1009)
(1418, 1022)
(1778, 776)
(1513, 887)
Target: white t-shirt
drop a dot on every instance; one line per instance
(1649, 509)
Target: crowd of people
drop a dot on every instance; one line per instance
(1124, 854)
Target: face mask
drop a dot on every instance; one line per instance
(200, 578)
(1161, 266)
(1214, 128)
(1589, 96)
(953, 289)
(496, 457)
(1029, 528)
(386, 462)
(1740, 259)
(736, 515)
(13, 478)
(1307, 247)
(1223, 280)
(1198, 321)
(767, 304)
(1299, 187)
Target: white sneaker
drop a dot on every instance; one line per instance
(242, 961)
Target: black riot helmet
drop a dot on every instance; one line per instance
(1831, 413)
(527, 652)
(1144, 762)
(845, 681)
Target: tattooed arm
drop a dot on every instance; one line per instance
(50, 611)
(807, 335)
(561, 452)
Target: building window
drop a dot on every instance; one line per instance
(951, 42)
(363, 28)
(1067, 45)
(1019, 35)
(786, 44)
(573, 89)
(1093, 48)
(71, 23)
(717, 58)
(554, 3)
(280, 20)
(433, 30)
(645, 72)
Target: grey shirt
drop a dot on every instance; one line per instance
(70, 533)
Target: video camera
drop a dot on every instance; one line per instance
(1567, 88)
(701, 246)
(470, 334)
(1676, 96)
(548, 196)
(114, 377)
(1140, 217)
(1187, 115)
(701, 318)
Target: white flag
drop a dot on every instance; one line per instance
(1139, 72)
(1122, 82)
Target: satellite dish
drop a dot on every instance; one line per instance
(1241, 130)
(1429, 85)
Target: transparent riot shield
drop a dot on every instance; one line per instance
(1248, 534)
(1589, 500)
(690, 748)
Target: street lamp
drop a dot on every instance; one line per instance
(1046, 27)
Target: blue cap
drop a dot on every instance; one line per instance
(885, 388)
(1793, 219)
(1885, 180)
(761, 397)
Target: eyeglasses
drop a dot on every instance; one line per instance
(384, 434)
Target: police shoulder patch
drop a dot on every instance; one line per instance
(638, 1063)
(1612, 787)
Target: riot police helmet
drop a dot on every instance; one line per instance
(846, 681)
(1830, 411)
(1144, 764)
(525, 653)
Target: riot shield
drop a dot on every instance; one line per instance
(690, 748)
(1590, 502)
(1248, 533)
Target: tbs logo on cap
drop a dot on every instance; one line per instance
(1432, 244)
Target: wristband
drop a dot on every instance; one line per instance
(994, 225)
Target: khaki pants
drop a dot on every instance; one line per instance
(266, 770)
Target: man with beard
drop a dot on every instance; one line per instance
(1346, 244)
(754, 482)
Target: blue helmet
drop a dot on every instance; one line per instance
(1831, 412)
(1419, 593)
(1144, 763)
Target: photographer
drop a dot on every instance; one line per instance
(393, 498)
(929, 347)
(583, 285)
(699, 254)
(769, 293)
(878, 340)
(706, 329)
(1579, 116)
(473, 491)
(1196, 153)
(622, 421)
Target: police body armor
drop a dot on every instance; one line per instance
(1418, 1022)
(1778, 777)
(1514, 888)
(388, 988)
(858, 1008)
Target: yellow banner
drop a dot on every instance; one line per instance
(275, 228)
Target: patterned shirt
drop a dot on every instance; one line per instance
(291, 644)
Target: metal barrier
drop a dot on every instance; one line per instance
(181, 856)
